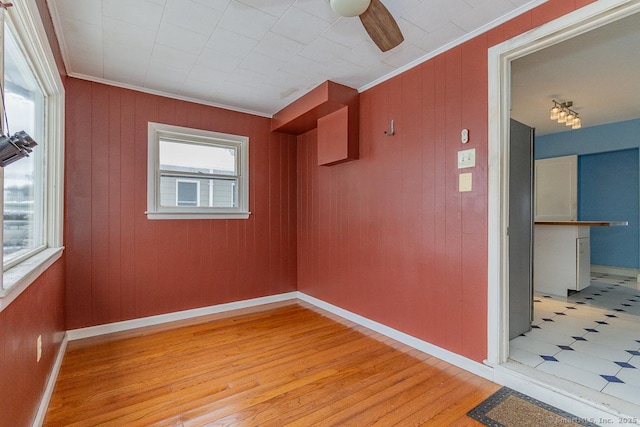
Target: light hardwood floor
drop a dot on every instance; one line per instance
(289, 365)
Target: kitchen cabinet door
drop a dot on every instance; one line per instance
(556, 189)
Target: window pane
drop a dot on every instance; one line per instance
(187, 193)
(213, 193)
(24, 179)
(180, 156)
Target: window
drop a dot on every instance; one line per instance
(24, 180)
(194, 173)
(32, 200)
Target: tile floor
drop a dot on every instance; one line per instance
(591, 338)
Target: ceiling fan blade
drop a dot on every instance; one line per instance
(381, 26)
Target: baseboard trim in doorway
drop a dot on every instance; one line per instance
(616, 271)
(51, 384)
(423, 346)
(126, 325)
(588, 404)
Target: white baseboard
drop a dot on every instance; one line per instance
(616, 271)
(423, 346)
(93, 331)
(51, 383)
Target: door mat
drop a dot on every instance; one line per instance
(509, 408)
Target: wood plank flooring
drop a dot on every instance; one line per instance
(292, 365)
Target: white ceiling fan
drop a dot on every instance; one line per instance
(376, 19)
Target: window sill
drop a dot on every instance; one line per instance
(194, 215)
(18, 278)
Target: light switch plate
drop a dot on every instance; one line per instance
(465, 181)
(467, 158)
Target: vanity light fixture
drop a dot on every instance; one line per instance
(562, 112)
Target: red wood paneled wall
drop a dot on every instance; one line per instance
(120, 265)
(389, 236)
(39, 310)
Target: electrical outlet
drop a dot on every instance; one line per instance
(39, 348)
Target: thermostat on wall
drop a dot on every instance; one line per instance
(464, 136)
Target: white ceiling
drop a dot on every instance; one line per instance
(599, 71)
(255, 55)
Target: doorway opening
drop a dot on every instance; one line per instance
(547, 388)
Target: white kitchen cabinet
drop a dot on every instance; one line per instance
(562, 258)
(556, 189)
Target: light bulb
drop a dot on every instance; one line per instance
(570, 119)
(577, 123)
(562, 116)
(553, 114)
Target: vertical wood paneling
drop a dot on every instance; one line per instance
(453, 200)
(439, 290)
(259, 174)
(553, 9)
(474, 206)
(127, 301)
(304, 210)
(114, 148)
(389, 236)
(495, 36)
(145, 245)
(517, 25)
(275, 205)
(431, 277)
(99, 207)
(78, 201)
(171, 291)
(410, 261)
(39, 310)
(122, 265)
(582, 3)
(392, 245)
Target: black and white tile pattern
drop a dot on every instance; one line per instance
(591, 338)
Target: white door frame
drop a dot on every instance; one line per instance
(580, 21)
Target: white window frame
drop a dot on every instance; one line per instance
(188, 181)
(26, 25)
(158, 131)
(39, 216)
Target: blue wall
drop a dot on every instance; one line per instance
(609, 185)
(608, 188)
(591, 140)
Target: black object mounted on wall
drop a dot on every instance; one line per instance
(15, 147)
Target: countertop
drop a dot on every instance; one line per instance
(585, 223)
